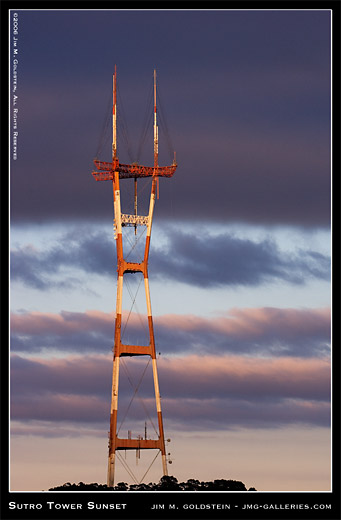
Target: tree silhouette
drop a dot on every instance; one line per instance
(121, 486)
(166, 483)
(191, 485)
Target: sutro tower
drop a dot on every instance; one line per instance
(115, 171)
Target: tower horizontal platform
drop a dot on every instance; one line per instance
(137, 444)
(105, 170)
(133, 350)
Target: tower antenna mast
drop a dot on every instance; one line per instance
(114, 119)
(156, 136)
(156, 144)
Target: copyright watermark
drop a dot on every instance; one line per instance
(14, 89)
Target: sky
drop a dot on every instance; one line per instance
(239, 263)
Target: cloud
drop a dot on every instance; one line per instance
(90, 252)
(48, 429)
(214, 261)
(196, 376)
(228, 414)
(201, 260)
(246, 378)
(60, 407)
(74, 375)
(264, 331)
(61, 324)
(205, 391)
(297, 332)
(67, 331)
(250, 115)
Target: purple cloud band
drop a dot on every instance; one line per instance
(208, 391)
(264, 331)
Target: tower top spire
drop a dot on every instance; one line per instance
(105, 170)
(114, 119)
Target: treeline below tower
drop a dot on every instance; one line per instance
(167, 483)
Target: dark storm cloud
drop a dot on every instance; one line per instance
(215, 393)
(198, 260)
(79, 249)
(266, 331)
(214, 261)
(248, 94)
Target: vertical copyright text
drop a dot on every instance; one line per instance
(14, 89)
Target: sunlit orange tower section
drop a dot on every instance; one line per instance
(115, 172)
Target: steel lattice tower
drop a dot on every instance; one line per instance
(115, 171)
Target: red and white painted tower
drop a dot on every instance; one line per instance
(116, 171)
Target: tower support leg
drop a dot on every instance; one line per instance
(111, 470)
(155, 376)
(113, 422)
(116, 443)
